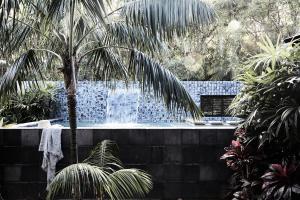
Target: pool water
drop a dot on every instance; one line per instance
(124, 125)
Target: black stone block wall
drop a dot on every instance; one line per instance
(184, 163)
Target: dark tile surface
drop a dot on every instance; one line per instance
(173, 154)
(208, 137)
(190, 137)
(190, 173)
(30, 137)
(172, 137)
(157, 154)
(12, 173)
(12, 137)
(183, 163)
(155, 137)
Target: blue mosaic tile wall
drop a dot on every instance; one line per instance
(92, 101)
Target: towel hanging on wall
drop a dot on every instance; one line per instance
(50, 144)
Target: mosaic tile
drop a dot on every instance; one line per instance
(92, 98)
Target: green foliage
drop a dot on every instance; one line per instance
(269, 137)
(28, 105)
(102, 175)
(220, 49)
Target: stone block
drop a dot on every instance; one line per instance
(1, 137)
(210, 190)
(155, 137)
(172, 154)
(190, 154)
(30, 137)
(208, 137)
(10, 155)
(190, 173)
(65, 138)
(12, 173)
(83, 152)
(209, 172)
(84, 137)
(224, 136)
(208, 154)
(157, 191)
(102, 134)
(12, 191)
(31, 173)
(157, 172)
(120, 136)
(157, 154)
(173, 172)
(135, 154)
(190, 137)
(12, 137)
(137, 137)
(172, 137)
(31, 155)
(190, 190)
(172, 190)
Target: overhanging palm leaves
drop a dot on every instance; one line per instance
(168, 17)
(101, 175)
(26, 67)
(7, 7)
(152, 75)
(132, 36)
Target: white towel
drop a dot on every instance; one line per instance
(50, 144)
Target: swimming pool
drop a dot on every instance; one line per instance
(161, 125)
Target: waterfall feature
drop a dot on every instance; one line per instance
(122, 105)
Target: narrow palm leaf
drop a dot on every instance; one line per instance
(88, 178)
(108, 64)
(105, 154)
(128, 184)
(168, 16)
(121, 33)
(26, 67)
(152, 75)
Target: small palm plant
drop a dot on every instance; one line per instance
(101, 175)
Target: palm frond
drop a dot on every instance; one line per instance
(12, 38)
(104, 155)
(56, 9)
(108, 64)
(96, 8)
(25, 67)
(169, 16)
(8, 8)
(271, 54)
(96, 177)
(129, 183)
(88, 178)
(152, 75)
(121, 33)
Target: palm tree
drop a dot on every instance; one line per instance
(101, 175)
(77, 33)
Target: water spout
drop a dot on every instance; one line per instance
(122, 105)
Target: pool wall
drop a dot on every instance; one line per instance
(92, 100)
(184, 163)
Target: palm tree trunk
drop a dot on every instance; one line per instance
(72, 102)
(70, 85)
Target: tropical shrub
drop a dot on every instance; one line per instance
(101, 175)
(29, 105)
(265, 154)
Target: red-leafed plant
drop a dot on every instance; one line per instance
(281, 182)
(270, 105)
